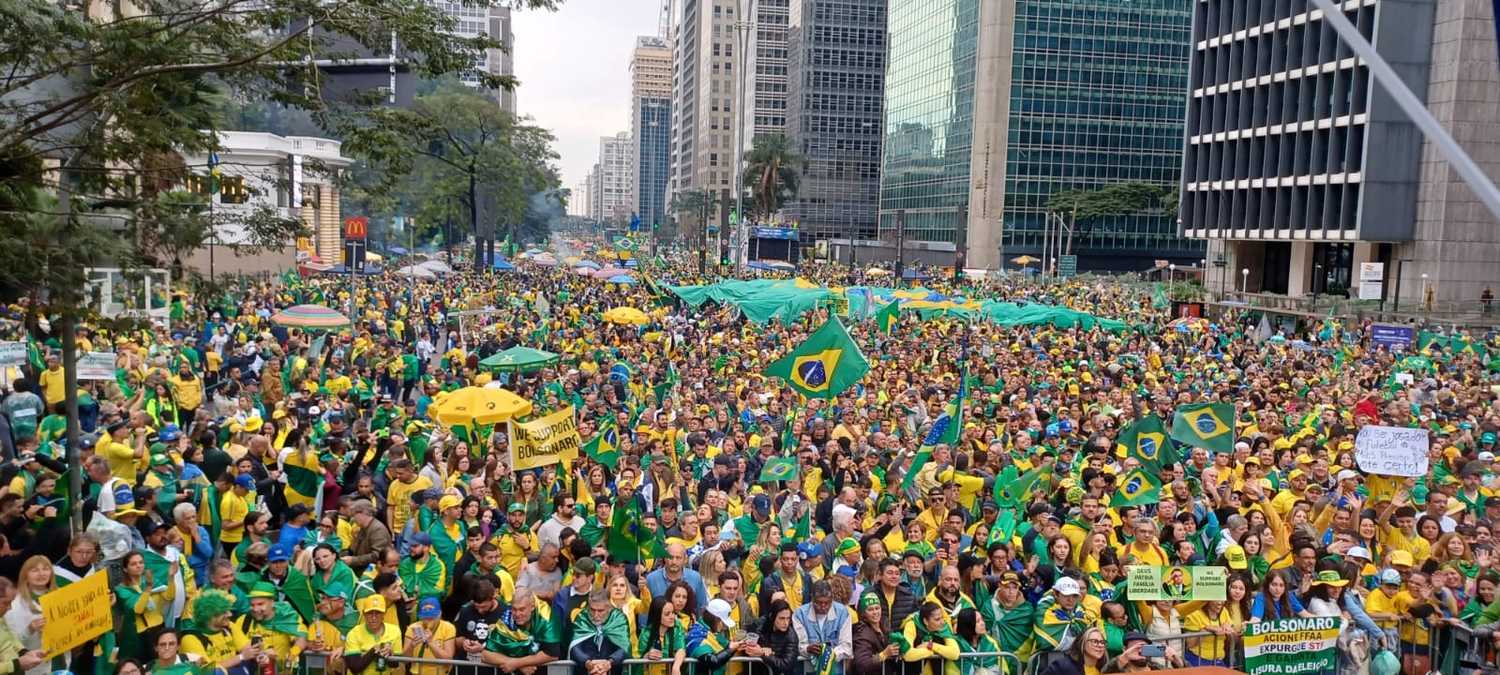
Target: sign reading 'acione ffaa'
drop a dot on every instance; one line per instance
(1292, 646)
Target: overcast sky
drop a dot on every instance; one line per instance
(573, 66)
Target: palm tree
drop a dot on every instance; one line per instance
(772, 173)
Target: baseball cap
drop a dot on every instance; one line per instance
(1066, 586)
(1010, 578)
(808, 550)
(278, 553)
(335, 589)
(1348, 474)
(449, 502)
(1402, 557)
(421, 538)
(1487, 456)
(720, 610)
(429, 608)
(516, 507)
(1134, 636)
(1358, 552)
(1390, 577)
(373, 603)
(169, 433)
(245, 481)
(585, 566)
(1235, 557)
(761, 504)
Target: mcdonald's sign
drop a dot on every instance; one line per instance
(356, 227)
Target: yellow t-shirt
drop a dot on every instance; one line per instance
(233, 507)
(121, 459)
(398, 496)
(1213, 647)
(1380, 603)
(52, 386)
(218, 647)
(328, 634)
(444, 631)
(360, 640)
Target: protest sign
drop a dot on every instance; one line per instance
(76, 613)
(12, 354)
(96, 366)
(1289, 646)
(545, 441)
(1178, 582)
(1391, 451)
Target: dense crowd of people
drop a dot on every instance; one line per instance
(256, 493)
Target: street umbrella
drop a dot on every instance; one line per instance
(479, 405)
(545, 260)
(520, 359)
(417, 272)
(1024, 260)
(877, 272)
(621, 279)
(587, 264)
(609, 272)
(627, 316)
(309, 316)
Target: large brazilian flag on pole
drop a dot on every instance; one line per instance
(1205, 425)
(824, 365)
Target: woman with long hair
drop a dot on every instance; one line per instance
(328, 570)
(682, 597)
(529, 494)
(663, 637)
(1088, 655)
(24, 618)
(622, 596)
(974, 637)
(138, 601)
(710, 565)
(930, 642)
(872, 647)
(1275, 599)
(778, 637)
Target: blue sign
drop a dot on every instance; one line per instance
(1392, 337)
(775, 233)
(635, 223)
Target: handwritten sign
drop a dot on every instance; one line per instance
(12, 354)
(545, 441)
(1179, 582)
(1290, 646)
(1392, 451)
(76, 613)
(96, 366)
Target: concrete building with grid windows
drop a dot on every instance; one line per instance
(836, 72)
(703, 92)
(494, 22)
(993, 106)
(1299, 167)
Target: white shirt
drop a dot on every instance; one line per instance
(548, 531)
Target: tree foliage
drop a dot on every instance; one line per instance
(696, 208)
(772, 173)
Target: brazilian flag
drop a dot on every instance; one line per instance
(1140, 486)
(622, 540)
(1146, 440)
(778, 469)
(887, 316)
(604, 449)
(824, 365)
(304, 475)
(1205, 425)
(1011, 488)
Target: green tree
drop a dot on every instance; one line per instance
(771, 173)
(1085, 208)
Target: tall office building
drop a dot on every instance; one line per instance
(650, 127)
(993, 106)
(616, 173)
(836, 69)
(596, 194)
(494, 22)
(1299, 167)
(766, 84)
(578, 199)
(703, 90)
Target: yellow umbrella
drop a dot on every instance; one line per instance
(627, 315)
(1024, 260)
(876, 272)
(479, 405)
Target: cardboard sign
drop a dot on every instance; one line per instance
(1392, 451)
(76, 613)
(545, 441)
(96, 366)
(1177, 582)
(1291, 646)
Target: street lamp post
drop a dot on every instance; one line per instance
(1425, 306)
(1244, 282)
(743, 24)
(1172, 273)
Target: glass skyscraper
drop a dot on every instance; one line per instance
(929, 116)
(993, 106)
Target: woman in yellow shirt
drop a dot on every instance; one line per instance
(1211, 650)
(142, 600)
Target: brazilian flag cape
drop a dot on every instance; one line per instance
(922, 634)
(447, 544)
(1010, 625)
(430, 580)
(166, 489)
(285, 621)
(982, 643)
(304, 475)
(616, 629)
(514, 640)
(298, 592)
(1053, 623)
(208, 498)
(184, 668)
(341, 574)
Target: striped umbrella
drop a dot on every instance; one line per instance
(310, 316)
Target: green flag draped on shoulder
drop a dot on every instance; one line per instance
(1205, 425)
(824, 365)
(1146, 440)
(616, 628)
(623, 537)
(886, 318)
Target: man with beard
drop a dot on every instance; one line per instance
(948, 594)
(423, 575)
(1009, 615)
(273, 625)
(474, 621)
(335, 620)
(824, 630)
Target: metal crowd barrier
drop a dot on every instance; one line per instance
(317, 664)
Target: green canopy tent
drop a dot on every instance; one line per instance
(519, 359)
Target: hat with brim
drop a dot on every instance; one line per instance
(1330, 578)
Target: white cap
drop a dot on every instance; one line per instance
(1390, 576)
(313, 410)
(1358, 552)
(1066, 586)
(1348, 474)
(1486, 456)
(720, 609)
